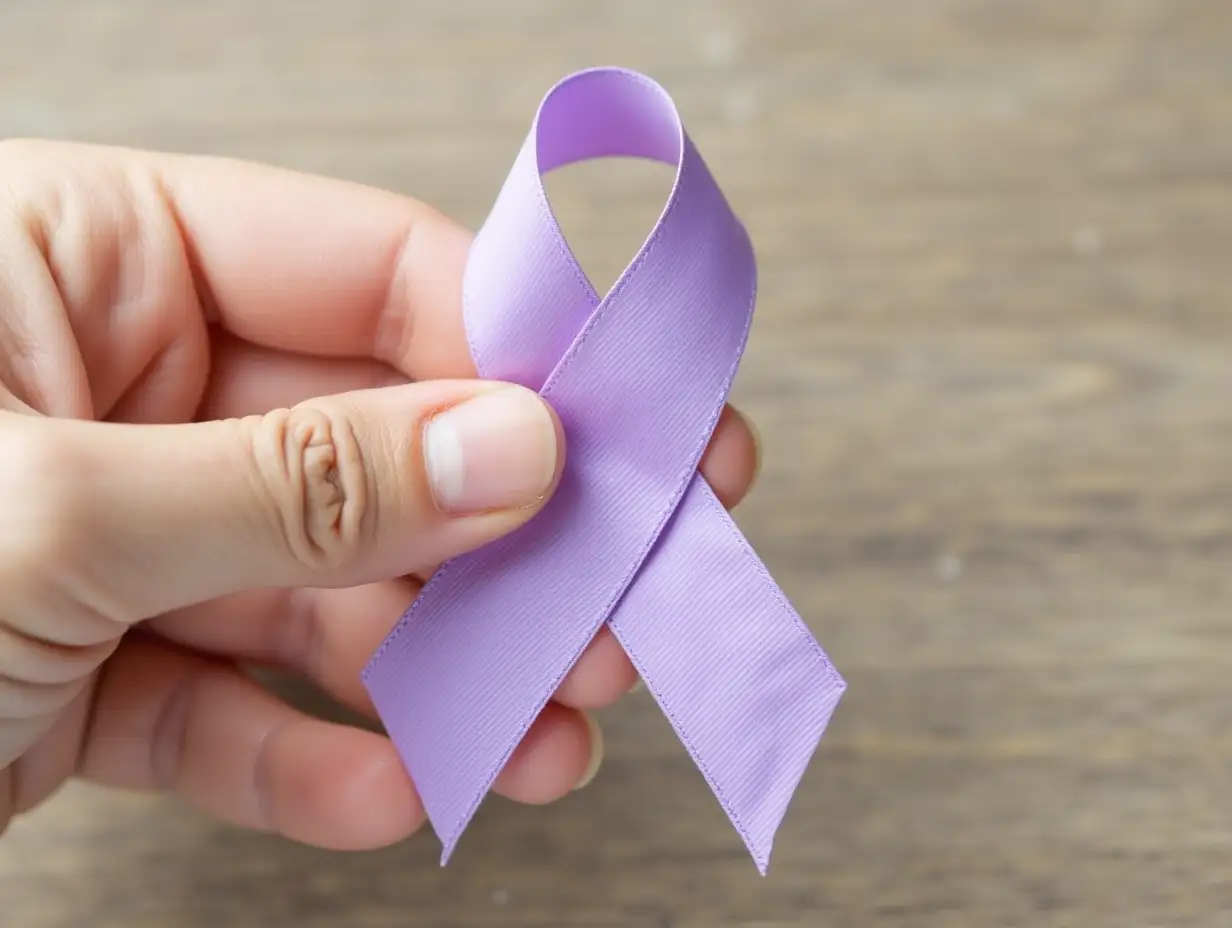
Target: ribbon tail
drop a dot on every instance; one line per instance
(733, 667)
(456, 699)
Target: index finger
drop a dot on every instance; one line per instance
(318, 266)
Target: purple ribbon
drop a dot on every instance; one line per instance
(633, 536)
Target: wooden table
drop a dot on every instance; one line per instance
(991, 368)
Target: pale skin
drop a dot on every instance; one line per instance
(217, 386)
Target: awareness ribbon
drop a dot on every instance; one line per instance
(633, 535)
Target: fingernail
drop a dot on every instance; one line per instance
(596, 752)
(638, 686)
(496, 451)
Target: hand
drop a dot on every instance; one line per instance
(238, 429)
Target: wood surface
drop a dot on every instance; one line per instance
(991, 368)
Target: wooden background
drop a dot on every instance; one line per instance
(992, 370)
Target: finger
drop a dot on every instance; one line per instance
(250, 380)
(52, 757)
(732, 458)
(336, 492)
(167, 719)
(168, 239)
(600, 677)
(562, 752)
(391, 289)
(328, 636)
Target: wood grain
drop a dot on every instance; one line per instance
(991, 371)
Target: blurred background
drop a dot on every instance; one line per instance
(991, 368)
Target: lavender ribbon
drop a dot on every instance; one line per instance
(633, 536)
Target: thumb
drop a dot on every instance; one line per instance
(337, 491)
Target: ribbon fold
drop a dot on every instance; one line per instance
(633, 537)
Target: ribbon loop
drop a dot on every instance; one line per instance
(633, 535)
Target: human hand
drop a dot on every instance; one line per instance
(214, 456)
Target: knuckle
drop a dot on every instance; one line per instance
(318, 480)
